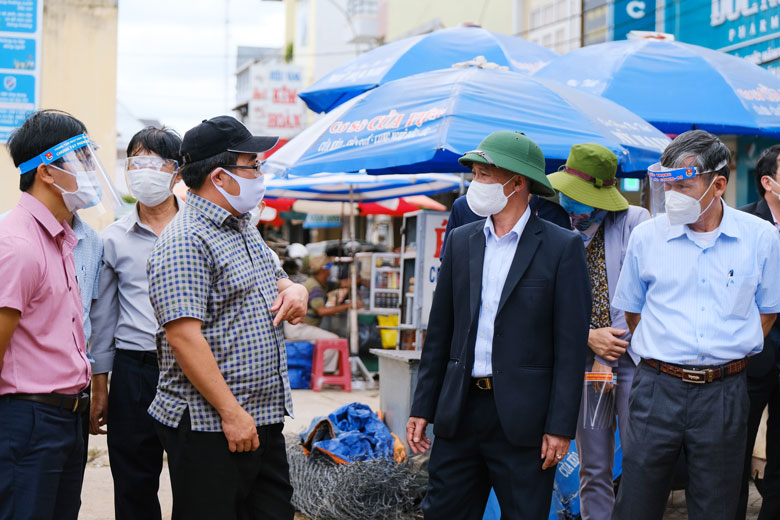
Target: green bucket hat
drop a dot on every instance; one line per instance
(516, 152)
(589, 177)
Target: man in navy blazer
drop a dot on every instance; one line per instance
(501, 373)
(763, 374)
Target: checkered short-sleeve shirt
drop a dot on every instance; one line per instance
(214, 267)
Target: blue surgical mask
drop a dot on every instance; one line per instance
(581, 214)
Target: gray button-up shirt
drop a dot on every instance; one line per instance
(122, 317)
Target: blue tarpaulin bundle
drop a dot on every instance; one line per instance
(299, 358)
(349, 434)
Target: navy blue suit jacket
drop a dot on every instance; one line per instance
(760, 364)
(539, 341)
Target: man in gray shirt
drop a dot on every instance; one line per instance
(124, 327)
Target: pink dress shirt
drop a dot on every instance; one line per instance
(38, 278)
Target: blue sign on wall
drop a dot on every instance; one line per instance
(19, 16)
(20, 68)
(745, 28)
(632, 15)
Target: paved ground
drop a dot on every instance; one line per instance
(98, 499)
(98, 494)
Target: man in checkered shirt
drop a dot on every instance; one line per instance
(223, 390)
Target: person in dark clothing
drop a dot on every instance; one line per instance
(763, 377)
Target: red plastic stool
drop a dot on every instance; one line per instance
(344, 376)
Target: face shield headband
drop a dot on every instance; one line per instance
(77, 157)
(55, 152)
(660, 173)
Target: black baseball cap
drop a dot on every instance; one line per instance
(221, 134)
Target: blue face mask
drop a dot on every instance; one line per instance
(582, 215)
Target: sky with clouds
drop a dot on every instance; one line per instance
(174, 55)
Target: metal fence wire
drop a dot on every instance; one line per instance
(377, 489)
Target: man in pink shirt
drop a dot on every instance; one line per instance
(43, 361)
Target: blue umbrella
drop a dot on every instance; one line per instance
(676, 86)
(424, 123)
(436, 50)
(354, 187)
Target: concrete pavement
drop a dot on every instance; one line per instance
(98, 497)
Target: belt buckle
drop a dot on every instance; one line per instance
(486, 381)
(75, 405)
(698, 377)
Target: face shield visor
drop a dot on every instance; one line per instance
(151, 178)
(78, 174)
(683, 181)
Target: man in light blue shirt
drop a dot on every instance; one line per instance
(87, 256)
(700, 288)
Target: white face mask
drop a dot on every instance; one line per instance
(151, 187)
(684, 209)
(776, 184)
(250, 193)
(487, 199)
(88, 191)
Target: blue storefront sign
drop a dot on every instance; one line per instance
(632, 15)
(745, 28)
(20, 68)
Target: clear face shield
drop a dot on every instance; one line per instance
(677, 192)
(78, 174)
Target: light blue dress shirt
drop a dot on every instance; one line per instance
(87, 256)
(499, 253)
(700, 305)
(123, 316)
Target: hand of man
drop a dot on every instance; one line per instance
(290, 305)
(415, 435)
(606, 343)
(605, 369)
(98, 405)
(240, 431)
(554, 448)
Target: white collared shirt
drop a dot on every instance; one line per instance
(499, 253)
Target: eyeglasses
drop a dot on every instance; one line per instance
(256, 167)
(152, 161)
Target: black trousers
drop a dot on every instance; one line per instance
(763, 391)
(210, 482)
(134, 449)
(464, 468)
(85, 428)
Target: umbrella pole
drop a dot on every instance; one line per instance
(356, 364)
(353, 325)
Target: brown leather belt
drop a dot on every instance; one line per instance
(73, 403)
(698, 375)
(483, 383)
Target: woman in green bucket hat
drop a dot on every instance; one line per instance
(587, 187)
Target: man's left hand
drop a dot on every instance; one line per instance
(290, 305)
(554, 449)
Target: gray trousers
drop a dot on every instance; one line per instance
(596, 448)
(707, 421)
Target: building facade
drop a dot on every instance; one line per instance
(78, 63)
